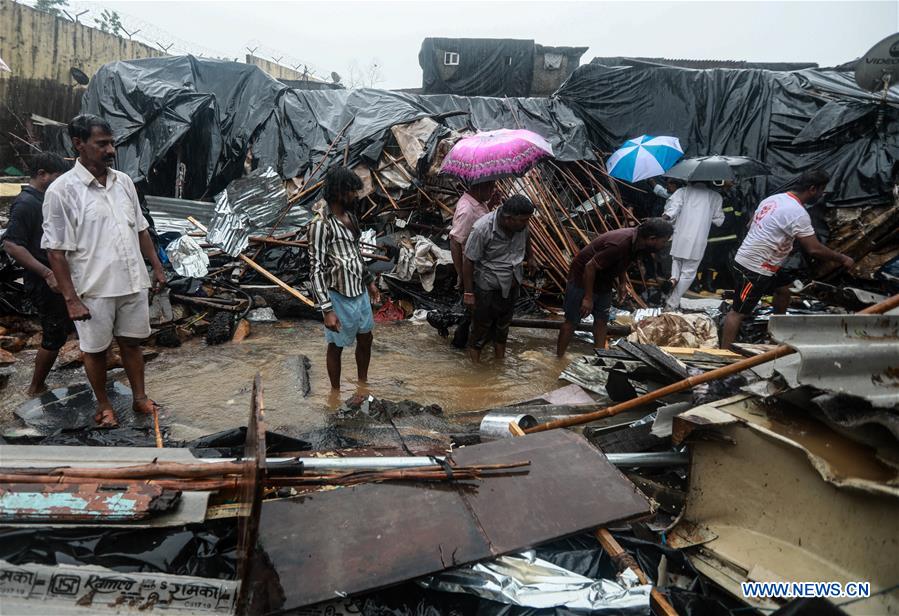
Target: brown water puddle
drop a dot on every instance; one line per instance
(204, 389)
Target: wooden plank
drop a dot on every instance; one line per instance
(251, 495)
(692, 351)
(353, 540)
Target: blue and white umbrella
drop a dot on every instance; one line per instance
(644, 157)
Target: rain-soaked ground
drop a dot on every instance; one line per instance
(204, 389)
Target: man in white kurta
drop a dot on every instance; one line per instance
(693, 210)
(96, 240)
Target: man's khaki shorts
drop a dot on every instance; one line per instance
(127, 316)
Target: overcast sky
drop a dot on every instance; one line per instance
(333, 36)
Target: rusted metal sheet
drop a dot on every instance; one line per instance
(190, 509)
(356, 539)
(34, 502)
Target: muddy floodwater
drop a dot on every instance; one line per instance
(204, 389)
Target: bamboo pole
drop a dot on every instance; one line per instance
(156, 431)
(197, 301)
(406, 175)
(374, 174)
(587, 196)
(690, 382)
(558, 205)
(261, 269)
(373, 207)
(623, 560)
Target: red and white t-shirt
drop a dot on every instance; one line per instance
(778, 220)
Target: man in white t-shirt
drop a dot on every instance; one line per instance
(778, 221)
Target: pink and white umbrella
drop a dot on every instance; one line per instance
(495, 154)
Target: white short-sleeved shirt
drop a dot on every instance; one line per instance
(97, 226)
(778, 220)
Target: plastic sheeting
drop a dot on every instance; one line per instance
(154, 104)
(484, 67)
(217, 112)
(792, 121)
(309, 121)
(209, 550)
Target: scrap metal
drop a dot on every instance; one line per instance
(416, 530)
(190, 508)
(29, 502)
(853, 354)
(812, 504)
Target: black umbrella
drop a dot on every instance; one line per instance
(717, 169)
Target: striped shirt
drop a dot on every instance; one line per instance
(335, 258)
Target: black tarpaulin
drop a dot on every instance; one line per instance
(823, 119)
(217, 111)
(482, 67)
(213, 107)
(793, 121)
(307, 122)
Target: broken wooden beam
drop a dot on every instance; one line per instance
(623, 560)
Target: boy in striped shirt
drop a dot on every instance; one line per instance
(344, 288)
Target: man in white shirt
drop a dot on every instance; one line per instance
(693, 210)
(96, 240)
(778, 221)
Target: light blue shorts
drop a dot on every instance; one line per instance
(355, 317)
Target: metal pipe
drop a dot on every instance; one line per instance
(646, 460)
(652, 459)
(352, 463)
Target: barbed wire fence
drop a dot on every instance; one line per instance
(135, 28)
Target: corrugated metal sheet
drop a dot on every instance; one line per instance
(852, 354)
(171, 214)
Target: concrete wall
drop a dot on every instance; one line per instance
(545, 81)
(276, 70)
(41, 50)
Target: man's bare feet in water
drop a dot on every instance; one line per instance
(106, 418)
(34, 392)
